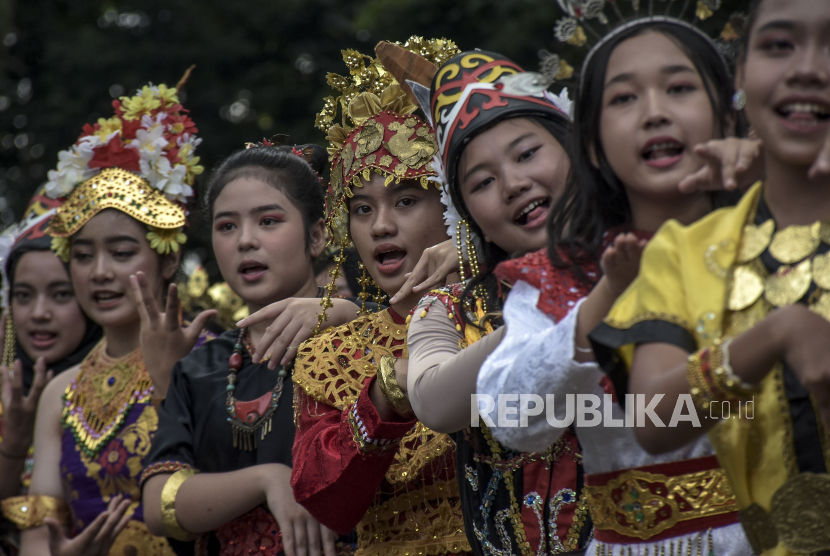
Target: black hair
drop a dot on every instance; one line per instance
(752, 15)
(594, 199)
(281, 169)
(491, 254)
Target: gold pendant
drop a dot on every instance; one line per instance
(747, 287)
(822, 306)
(821, 270)
(759, 528)
(801, 511)
(789, 284)
(824, 232)
(794, 243)
(755, 240)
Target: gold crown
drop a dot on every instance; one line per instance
(121, 190)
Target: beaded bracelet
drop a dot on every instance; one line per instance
(725, 378)
(702, 394)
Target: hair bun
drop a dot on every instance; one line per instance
(315, 155)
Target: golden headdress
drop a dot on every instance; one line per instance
(378, 132)
(141, 162)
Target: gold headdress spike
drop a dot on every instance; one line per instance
(377, 133)
(590, 23)
(141, 162)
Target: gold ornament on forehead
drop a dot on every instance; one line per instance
(755, 240)
(118, 189)
(794, 243)
(789, 284)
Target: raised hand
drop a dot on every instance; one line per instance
(620, 261)
(729, 164)
(293, 320)
(302, 535)
(436, 264)
(19, 410)
(97, 538)
(163, 339)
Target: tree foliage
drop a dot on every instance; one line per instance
(260, 64)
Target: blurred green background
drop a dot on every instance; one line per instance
(260, 66)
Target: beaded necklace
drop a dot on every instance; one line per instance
(248, 418)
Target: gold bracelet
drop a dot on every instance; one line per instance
(702, 395)
(390, 387)
(725, 378)
(28, 512)
(168, 504)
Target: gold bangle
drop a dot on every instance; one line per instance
(28, 512)
(168, 504)
(702, 395)
(390, 387)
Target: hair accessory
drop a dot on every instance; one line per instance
(141, 162)
(739, 100)
(378, 133)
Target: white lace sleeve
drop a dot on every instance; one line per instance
(536, 356)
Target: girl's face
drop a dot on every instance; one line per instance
(786, 77)
(510, 175)
(47, 318)
(105, 253)
(391, 226)
(259, 242)
(654, 111)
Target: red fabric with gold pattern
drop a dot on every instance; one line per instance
(392, 481)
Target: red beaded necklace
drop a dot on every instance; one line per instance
(248, 418)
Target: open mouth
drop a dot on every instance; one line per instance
(533, 212)
(252, 269)
(664, 150)
(42, 339)
(103, 298)
(389, 258)
(804, 113)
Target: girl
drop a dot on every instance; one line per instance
(732, 309)
(360, 459)
(123, 184)
(227, 417)
(658, 100)
(505, 167)
(46, 329)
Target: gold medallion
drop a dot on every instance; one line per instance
(755, 240)
(800, 509)
(821, 270)
(789, 284)
(824, 232)
(794, 243)
(759, 528)
(747, 287)
(822, 306)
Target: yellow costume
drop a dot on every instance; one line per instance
(716, 279)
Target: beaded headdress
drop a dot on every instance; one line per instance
(468, 94)
(141, 162)
(378, 133)
(592, 23)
